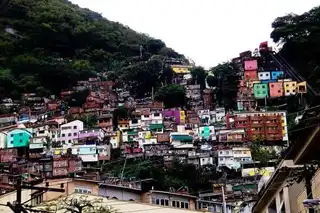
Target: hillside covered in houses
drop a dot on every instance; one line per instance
(96, 108)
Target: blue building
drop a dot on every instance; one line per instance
(276, 74)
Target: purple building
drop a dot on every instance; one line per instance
(172, 113)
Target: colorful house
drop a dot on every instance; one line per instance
(178, 69)
(156, 128)
(264, 76)
(260, 90)
(302, 87)
(18, 138)
(174, 115)
(276, 89)
(250, 75)
(207, 132)
(251, 65)
(290, 88)
(276, 74)
(251, 83)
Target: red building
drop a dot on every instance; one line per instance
(62, 166)
(257, 127)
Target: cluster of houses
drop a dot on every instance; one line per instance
(47, 138)
(263, 80)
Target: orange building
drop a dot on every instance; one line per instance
(250, 75)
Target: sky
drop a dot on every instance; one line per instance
(207, 31)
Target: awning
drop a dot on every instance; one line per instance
(155, 126)
(183, 138)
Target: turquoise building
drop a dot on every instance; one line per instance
(18, 138)
(207, 132)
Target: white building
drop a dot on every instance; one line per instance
(232, 158)
(69, 131)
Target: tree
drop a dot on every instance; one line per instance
(77, 99)
(50, 45)
(299, 35)
(120, 113)
(212, 81)
(171, 95)
(262, 153)
(227, 84)
(75, 204)
(199, 75)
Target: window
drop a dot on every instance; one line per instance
(20, 134)
(182, 205)
(173, 203)
(36, 199)
(69, 134)
(75, 134)
(69, 141)
(186, 205)
(20, 141)
(74, 127)
(63, 135)
(178, 204)
(153, 200)
(162, 202)
(166, 202)
(157, 201)
(11, 135)
(82, 190)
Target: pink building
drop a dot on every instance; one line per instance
(251, 65)
(276, 89)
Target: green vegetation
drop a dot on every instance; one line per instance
(226, 81)
(299, 35)
(172, 95)
(176, 175)
(199, 75)
(47, 46)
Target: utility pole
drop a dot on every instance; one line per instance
(17, 206)
(224, 204)
(123, 168)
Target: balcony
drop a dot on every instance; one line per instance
(275, 137)
(273, 124)
(36, 146)
(257, 118)
(257, 125)
(274, 132)
(35, 155)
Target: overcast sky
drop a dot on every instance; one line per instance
(207, 31)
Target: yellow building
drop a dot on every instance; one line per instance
(180, 69)
(290, 88)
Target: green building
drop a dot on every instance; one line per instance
(260, 90)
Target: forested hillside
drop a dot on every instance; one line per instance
(300, 35)
(46, 46)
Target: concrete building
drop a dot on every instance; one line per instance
(69, 132)
(277, 195)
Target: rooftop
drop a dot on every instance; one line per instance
(119, 206)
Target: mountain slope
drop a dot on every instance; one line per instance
(47, 45)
